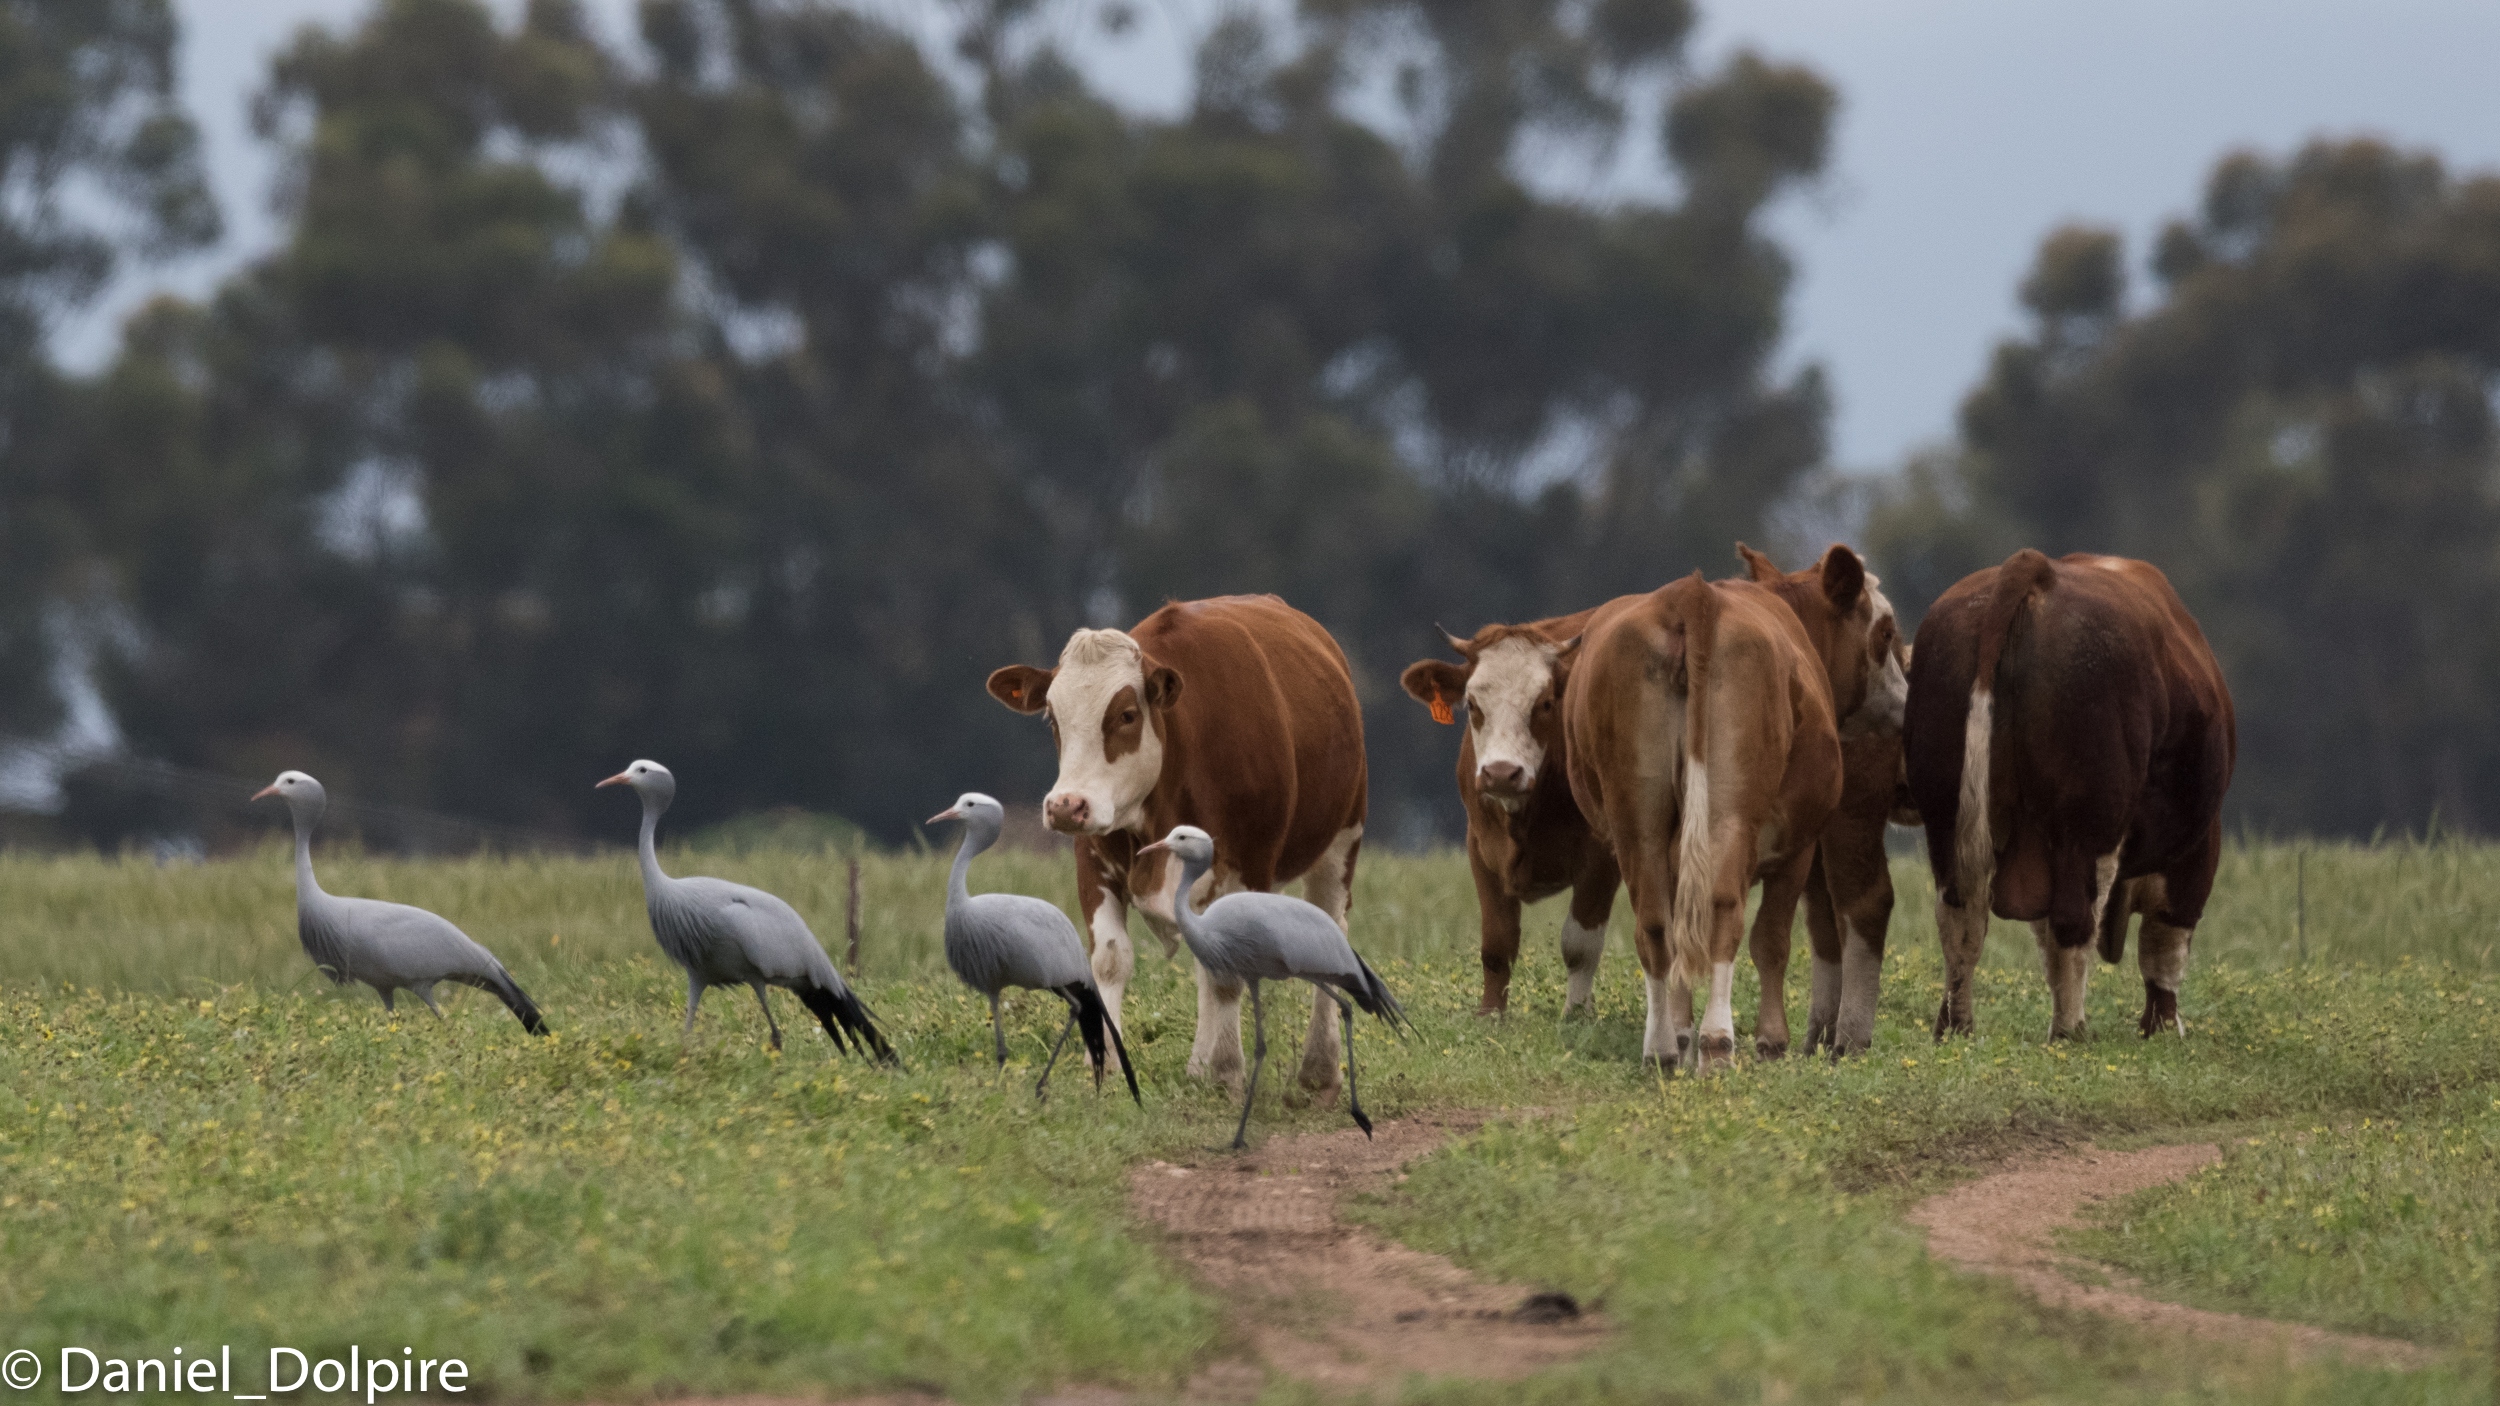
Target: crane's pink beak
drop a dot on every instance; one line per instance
(950, 813)
(617, 780)
(266, 791)
(1159, 844)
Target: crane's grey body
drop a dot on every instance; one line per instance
(391, 947)
(1259, 937)
(999, 940)
(726, 934)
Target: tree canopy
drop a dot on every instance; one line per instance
(742, 394)
(2299, 428)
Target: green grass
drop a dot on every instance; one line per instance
(199, 1145)
(2386, 1224)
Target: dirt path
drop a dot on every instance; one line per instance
(2006, 1223)
(1330, 1303)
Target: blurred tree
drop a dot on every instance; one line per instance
(95, 159)
(1269, 346)
(429, 501)
(745, 399)
(2300, 431)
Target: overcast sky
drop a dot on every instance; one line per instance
(1968, 128)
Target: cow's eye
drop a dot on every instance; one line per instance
(1128, 717)
(1545, 704)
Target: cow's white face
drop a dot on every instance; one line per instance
(1102, 715)
(1887, 671)
(1511, 712)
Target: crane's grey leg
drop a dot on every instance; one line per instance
(1052, 1062)
(769, 1023)
(998, 1030)
(425, 993)
(694, 998)
(1258, 1061)
(1353, 1099)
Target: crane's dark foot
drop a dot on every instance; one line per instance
(776, 1042)
(1361, 1120)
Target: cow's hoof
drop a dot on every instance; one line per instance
(1770, 1049)
(2079, 1031)
(1819, 1036)
(1490, 1008)
(1717, 1052)
(2161, 1012)
(1663, 1066)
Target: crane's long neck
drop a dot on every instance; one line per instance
(1183, 913)
(307, 888)
(977, 838)
(653, 879)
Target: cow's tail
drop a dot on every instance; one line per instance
(2024, 574)
(1696, 868)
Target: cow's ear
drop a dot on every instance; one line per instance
(1163, 687)
(1438, 684)
(1844, 578)
(1022, 687)
(1762, 569)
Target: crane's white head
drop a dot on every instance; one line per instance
(293, 787)
(649, 779)
(973, 808)
(1187, 843)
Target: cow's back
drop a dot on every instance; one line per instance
(2112, 725)
(1265, 749)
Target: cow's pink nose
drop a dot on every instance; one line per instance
(1066, 814)
(1502, 776)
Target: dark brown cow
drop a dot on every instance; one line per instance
(2070, 739)
(1702, 725)
(1236, 715)
(1526, 838)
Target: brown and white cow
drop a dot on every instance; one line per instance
(2070, 739)
(1702, 721)
(1236, 715)
(1848, 892)
(1526, 838)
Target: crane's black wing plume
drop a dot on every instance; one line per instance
(839, 1011)
(1373, 995)
(1094, 1022)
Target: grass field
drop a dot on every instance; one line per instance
(200, 1144)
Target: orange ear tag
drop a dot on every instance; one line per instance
(1441, 710)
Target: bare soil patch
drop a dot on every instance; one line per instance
(2005, 1223)
(1331, 1303)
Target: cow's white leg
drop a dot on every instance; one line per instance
(1215, 1053)
(1581, 949)
(1718, 1018)
(2069, 970)
(1115, 957)
(2161, 955)
(1861, 977)
(1329, 887)
(1661, 1038)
